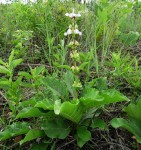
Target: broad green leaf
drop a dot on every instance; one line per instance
(80, 141)
(134, 110)
(4, 70)
(57, 86)
(14, 129)
(113, 96)
(29, 112)
(27, 103)
(70, 110)
(42, 146)
(57, 106)
(83, 133)
(91, 98)
(69, 80)
(83, 136)
(132, 126)
(99, 123)
(89, 114)
(56, 128)
(92, 93)
(32, 134)
(94, 98)
(50, 115)
(45, 104)
(16, 62)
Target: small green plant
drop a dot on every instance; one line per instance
(126, 67)
(129, 38)
(10, 83)
(7, 82)
(21, 42)
(122, 64)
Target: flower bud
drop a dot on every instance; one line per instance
(77, 84)
(70, 26)
(76, 26)
(75, 56)
(73, 44)
(75, 69)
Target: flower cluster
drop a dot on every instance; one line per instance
(73, 30)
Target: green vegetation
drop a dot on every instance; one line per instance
(70, 75)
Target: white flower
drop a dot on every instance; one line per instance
(78, 15)
(87, 1)
(69, 31)
(67, 14)
(76, 31)
(80, 33)
(73, 15)
(65, 34)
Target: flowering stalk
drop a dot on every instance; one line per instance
(74, 31)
